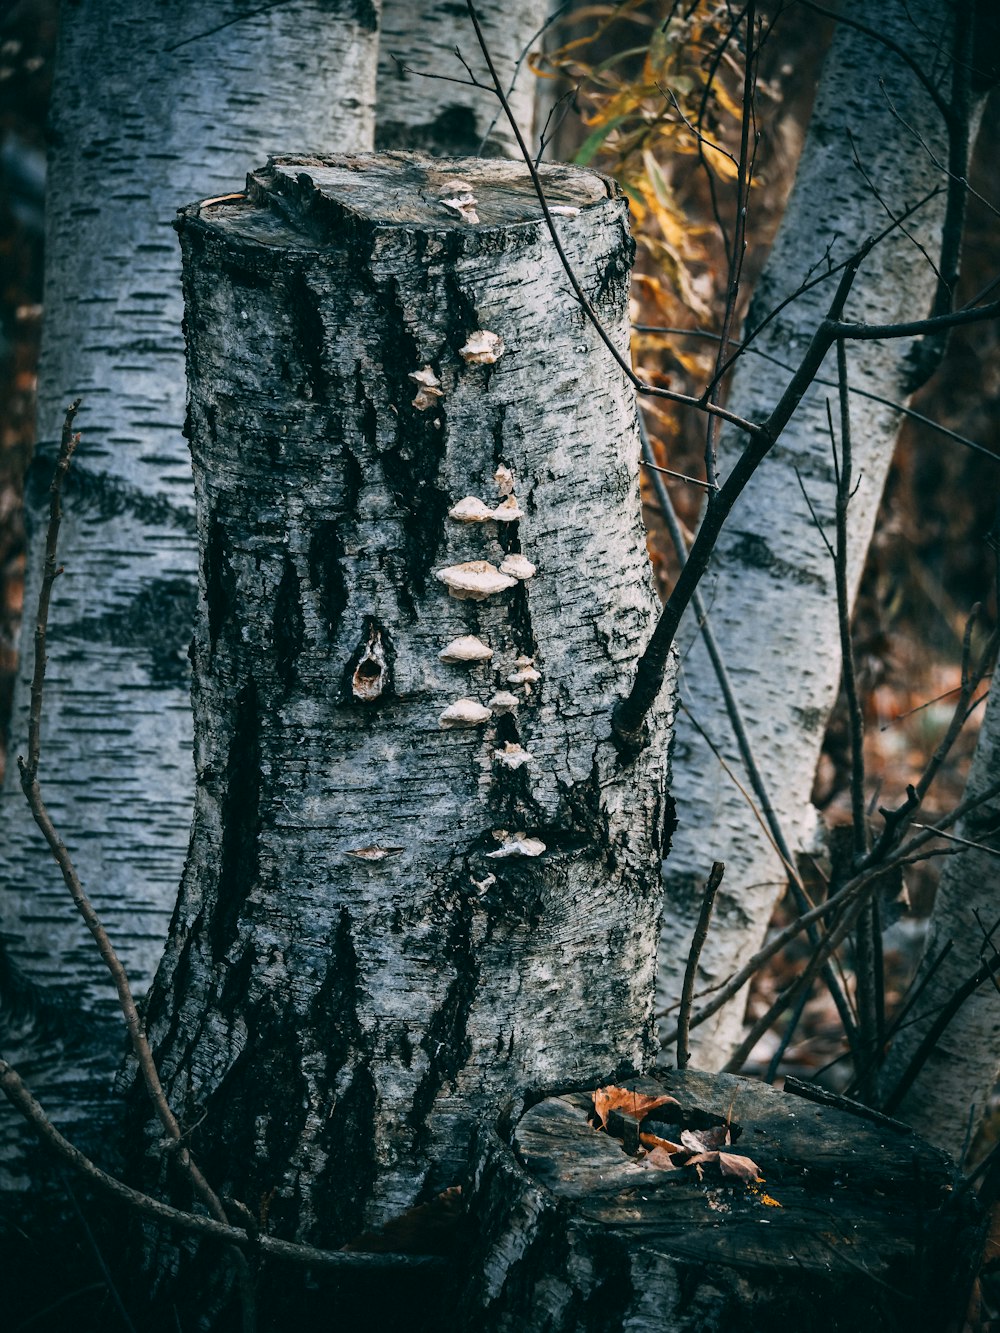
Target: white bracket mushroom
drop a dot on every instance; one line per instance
(482, 348)
(466, 649)
(475, 580)
(464, 713)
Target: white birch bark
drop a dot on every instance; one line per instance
(152, 105)
(947, 1100)
(447, 118)
(770, 587)
(330, 1021)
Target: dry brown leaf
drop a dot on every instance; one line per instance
(659, 1158)
(630, 1103)
(706, 1140)
(739, 1168)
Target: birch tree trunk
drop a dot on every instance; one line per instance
(770, 588)
(419, 881)
(420, 106)
(152, 105)
(946, 1101)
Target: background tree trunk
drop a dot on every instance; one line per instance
(152, 106)
(947, 1100)
(390, 921)
(770, 587)
(419, 39)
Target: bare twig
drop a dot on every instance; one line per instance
(193, 1223)
(697, 943)
(30, 785)
(868, 940)
(986, 971)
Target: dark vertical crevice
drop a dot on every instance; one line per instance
(287, 626)
(240, 819)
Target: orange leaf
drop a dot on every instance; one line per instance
(653, 1141)
(634, 1104)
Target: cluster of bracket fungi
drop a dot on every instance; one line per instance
(476, 580)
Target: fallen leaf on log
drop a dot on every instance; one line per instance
(706, 1140)
(634, 1104)
(652, 1141)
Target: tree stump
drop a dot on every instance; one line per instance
(421, 876)
(851, 1222)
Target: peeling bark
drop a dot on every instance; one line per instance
(571, 1234)
(770, 586)
(385, 925)
(152, 105)
(420, 106)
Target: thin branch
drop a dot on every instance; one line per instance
(583, 300)
(32, 790)
(902, 408)
(19, 1097)
(868, 962)
(697, 943)
(985, 972)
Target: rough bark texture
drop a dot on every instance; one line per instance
(152, 105)
(572, 1234)
(436, 114)
(360, 963)
(770, 587)
(949, 1096)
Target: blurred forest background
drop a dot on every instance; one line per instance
(930, 561)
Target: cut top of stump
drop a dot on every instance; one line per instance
(320, 196)
(834, 1213)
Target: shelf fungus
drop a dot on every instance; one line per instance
(466, 649)
(519, 844)
(428, 388)
(525, 673)
(464, 713)
(374, 852)
(504, 702)
(464, 205)
(482, 348)
(471, 510)
(518, 567)
(508, 511)
(504, 479)
(513, 755)
(475, 580)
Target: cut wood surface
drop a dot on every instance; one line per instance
(852, 1224)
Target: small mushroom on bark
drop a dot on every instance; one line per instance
(471, 510)
(428, 388)
(464, 205)
(475, 580)
(518, 566)
(504, 479)
(518, 845)
(508, 511)
(513, 755)
(482, 348)
(504, 702)
(466, 649)
(464, 713)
